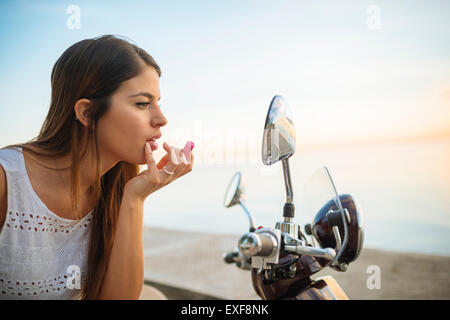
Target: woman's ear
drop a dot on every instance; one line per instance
(82, 110)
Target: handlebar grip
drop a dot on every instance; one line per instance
(229, 257)
(257, 244)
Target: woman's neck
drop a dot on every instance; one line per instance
(62, 178)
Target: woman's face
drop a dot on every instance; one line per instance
(134, 117)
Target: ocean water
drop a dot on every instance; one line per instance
(402, 188)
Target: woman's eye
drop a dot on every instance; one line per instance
(143, 104)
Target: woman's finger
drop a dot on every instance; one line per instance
(175, 155)
(182, 157)
(191, 160)
(172, 154)
(187, 150)
(176, 160)
(149, 157)
(171, 163)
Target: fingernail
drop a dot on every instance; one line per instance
(147, 145)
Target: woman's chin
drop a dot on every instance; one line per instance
(136, 161)
(140, 162)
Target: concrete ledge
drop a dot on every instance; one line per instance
(174, 293)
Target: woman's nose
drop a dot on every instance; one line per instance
(158, 119)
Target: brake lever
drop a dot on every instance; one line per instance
(327, 253)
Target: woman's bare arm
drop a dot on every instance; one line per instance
(124, 277)
(3, 196)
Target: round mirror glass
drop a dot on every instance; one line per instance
(279, 132)
(232, 193)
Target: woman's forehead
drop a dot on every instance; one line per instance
(145, 82)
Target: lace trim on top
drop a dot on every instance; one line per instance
(42, 223)
(35, 287)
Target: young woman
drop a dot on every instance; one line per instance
(71, 199)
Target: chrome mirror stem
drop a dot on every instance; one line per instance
(249, 215)
(287, 181)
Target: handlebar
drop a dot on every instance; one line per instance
(264, 244)
(230, 257)
(257, 244)
(327, 253)
(240, 260)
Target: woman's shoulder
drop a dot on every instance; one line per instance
(9, 157)
(10, 164)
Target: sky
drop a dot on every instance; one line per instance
(354, 73)
(350, 70)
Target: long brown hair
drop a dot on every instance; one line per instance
(91, 69)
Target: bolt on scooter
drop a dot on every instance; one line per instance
(282, 259)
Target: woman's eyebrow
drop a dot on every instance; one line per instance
(145, 94)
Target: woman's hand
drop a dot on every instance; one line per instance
(178, 161)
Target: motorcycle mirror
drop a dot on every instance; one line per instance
(279, 144)
(235, 191)
(279, 132)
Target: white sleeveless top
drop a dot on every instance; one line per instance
(42, 256)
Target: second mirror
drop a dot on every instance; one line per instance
(279, 132)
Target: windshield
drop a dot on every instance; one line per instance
(317, 191)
